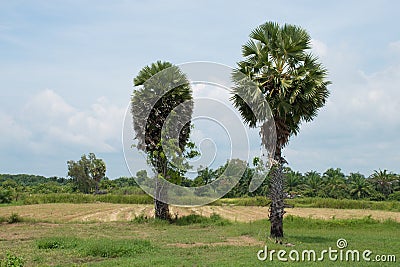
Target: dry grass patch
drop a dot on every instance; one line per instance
(107, 212)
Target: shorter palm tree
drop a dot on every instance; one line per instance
(292, 179)
(335, 183)
(313, 183)
(359, 186)
(159, 128)
(384, 181)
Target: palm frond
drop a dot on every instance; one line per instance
(291, 79)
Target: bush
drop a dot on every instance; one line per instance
(141, 219)
(14, 218)
(57, 243)
(394, 196)
(214, 219)
(5, 196)
(107, 248)
(377, 197)
(12, 261)
(244, 201)
(191, 219)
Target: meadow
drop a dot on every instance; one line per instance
(58, 235)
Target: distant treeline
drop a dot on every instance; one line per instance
(333, 184)
(31, 180)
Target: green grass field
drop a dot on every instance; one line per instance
(191, 241)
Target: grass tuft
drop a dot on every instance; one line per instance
(14, 218)
(95, 247)
(214, 219)
(12, 260)
(57, 243)
(107, 248)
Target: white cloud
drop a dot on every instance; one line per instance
(54, 122)
(319, 47)
(12, 133)
(358, 128)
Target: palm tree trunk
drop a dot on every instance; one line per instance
(276, 194)
(161, 209)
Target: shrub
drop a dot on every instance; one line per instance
(394, 196)
(141, 219)
(214, 219)
(191, 219)
(57, 243)
(12, 261)
(107, 248)
(5, 196)
(377, 196)
(14, 218)
(244, 201)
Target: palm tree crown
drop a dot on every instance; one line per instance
(164, 89)
(291, 79)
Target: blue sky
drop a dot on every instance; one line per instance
(66, 70)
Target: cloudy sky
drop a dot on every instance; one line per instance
(66, 70)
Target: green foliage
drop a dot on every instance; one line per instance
(300, 221)
(97, 247)
(5, 195)
(12, 260)
(87, 172)
(243, 201)
(384, 182)
(344, 204)
(141, 219)
(164, 88)
(332, 184)
(359, 186)
(49, 187)
(394, 196)
(109, 244)
(278, 59)
(57, 242)
(214, 219)
(14, 218)
(108, 248)
(23, 179)
(85, 198)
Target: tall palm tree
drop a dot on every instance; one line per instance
(158, 124)
(294, 84)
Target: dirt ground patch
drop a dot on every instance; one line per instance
(106, 212)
